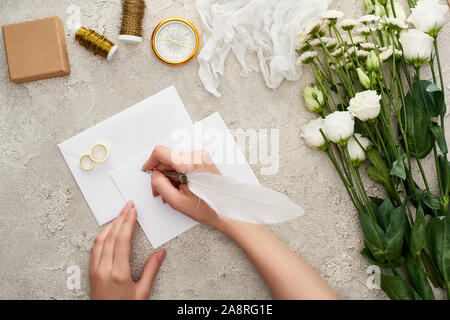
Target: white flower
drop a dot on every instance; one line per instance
(348, 24)
(417, 46)
(312, 135)
(315, 42)
(362, 54)
(339, 126)
(331, 43)
(337, 53)
(399, 11)
(365, 105)
(313, 26)
(369, 19)
(365, 31)
(313, 99)
(307, 57)
(356, 40)
(356, 153)
(428, 16)
(386, 54)
(368, 46)
(393, 23)
(333, 15)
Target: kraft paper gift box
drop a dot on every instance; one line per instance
(36, 50)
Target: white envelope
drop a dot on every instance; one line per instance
(160, 222)
(127, 134)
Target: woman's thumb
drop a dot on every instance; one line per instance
(145, 283)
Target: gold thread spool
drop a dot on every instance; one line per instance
(96, 43)
(132, 17)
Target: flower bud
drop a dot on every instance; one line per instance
(368, 4)
(379, 9)
(356, 153)
(382, 2)
(364, 79)
(373, 63)
(313, 99)
(312, 135)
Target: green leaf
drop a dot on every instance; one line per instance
(418, 278)
(416, 123)
(398, 289)
(438, 246)
(439, 136)
(379, 172)
(418, 235)
(369, 257)
(384, 213)
(445, 173)
(431, 201)
(394, 233)
(431, 270)
(398, 168)
(433, 96)
(374, 237)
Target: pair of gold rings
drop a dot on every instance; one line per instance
(89, 160)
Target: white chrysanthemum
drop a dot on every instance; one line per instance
(355, 40)
(337, 53)
(307, 57)
(352, 51)
(428, 16)
(365, 31)
(333, 15)
(393, 23)
(362, 54)
(315, 42)
(365, 105)
(348, 24)
(368, 46)
(386, 54)
(369, 19)
(331, 43)
(312, 135)
(313, 26)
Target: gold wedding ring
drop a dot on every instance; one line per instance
(92, 156)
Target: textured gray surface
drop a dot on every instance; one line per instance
(45, 223)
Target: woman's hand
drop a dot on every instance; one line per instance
(110, 270)
(181, 198)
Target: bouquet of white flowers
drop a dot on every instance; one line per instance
(373, 105)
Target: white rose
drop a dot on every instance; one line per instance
(358, 154)
(312, 135)
(417, 46)
(428, 16)
(365, 105)
(338, 127)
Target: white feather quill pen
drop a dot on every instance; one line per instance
(239, 201)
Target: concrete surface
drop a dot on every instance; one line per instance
(45, 223)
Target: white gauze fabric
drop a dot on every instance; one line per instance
(268, 28)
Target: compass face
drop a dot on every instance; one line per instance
(175, 41)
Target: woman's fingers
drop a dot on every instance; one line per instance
(122, 248)
(145, 283)
(162, 186)
(108, 247)
(96, 250)
(160, 155)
